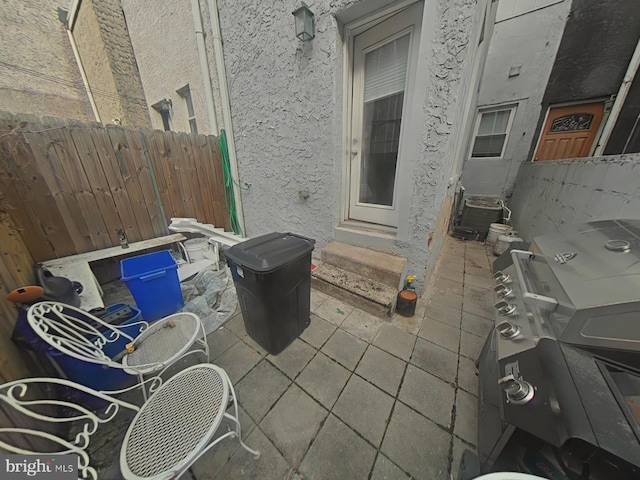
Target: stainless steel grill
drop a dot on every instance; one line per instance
(560, 372)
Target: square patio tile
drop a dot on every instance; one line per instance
(337, 453)
(238, 360)
(479, 326)
(478, 301)
(426, 455)
(466, 422)
(317, 299)
(364, 408)
(260, 389)
(443, 313)
(470, 345)
(220, 341)
(395, 341)
(385, 469)
(428, 395)
(435, 359)
(293, 423)
(215, 459)
(480, 281)
(242, 465)
(458, 449)
(334, 311)
(453, 274)
(451, 261)
(362, 324)
(344, 348)
(451, 300)
(440, 333)
(382, 369)
(318, 331)
(445, 286)
(323, 379)
(293, 358)
(467, 377)
(236, 325)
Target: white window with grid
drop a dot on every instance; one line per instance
(491, 132)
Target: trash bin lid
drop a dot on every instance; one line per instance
(270, 252)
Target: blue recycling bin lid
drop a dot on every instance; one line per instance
(269, 252)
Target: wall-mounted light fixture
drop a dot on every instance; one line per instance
(305, 23)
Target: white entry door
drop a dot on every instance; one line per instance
(384, 60)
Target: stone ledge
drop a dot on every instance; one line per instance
(369, 295)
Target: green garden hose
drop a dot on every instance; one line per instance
(228, 180)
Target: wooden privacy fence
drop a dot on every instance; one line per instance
(69, 187)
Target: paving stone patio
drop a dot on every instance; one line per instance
(356, 397)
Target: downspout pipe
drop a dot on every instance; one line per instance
(218, 54)
(204, 66)
(632, 70)
(73, 11)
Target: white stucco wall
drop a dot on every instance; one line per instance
(164, 41)
(555, 193)
(529, 39)
(287, 109)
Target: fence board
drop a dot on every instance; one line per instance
(69, 186)
(125, 151)
(197, 194)
(97, 179)
(27, 198)
(63, 200)
(162, 161)
(204, 172)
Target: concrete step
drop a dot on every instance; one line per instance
(374, 265)
(365, 293)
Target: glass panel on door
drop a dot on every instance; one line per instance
(384, 83)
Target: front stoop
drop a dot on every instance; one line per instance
(366, 279)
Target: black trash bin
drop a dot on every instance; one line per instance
(272, 275)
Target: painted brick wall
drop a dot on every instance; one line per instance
(550, 194)
(38, 73)
(287, 107)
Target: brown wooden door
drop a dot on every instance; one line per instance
(569, 132)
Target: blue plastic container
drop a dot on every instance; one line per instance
(153, 282)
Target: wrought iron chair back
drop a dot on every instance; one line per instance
(41, 408)
(77, 333)
(84, 337)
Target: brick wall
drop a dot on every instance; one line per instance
(38, 73)
(101, 35)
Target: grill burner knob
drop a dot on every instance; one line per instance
(505, 308)
(518, 391)
(502, 290)
(508, 330)
(501, 277)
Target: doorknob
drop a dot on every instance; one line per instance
(354, 152)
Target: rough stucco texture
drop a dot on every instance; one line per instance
(286, 100)
(550, 194)
(38, 73)
(529, 40)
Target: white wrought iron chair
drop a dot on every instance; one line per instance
(82, 336)
(189, 408)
